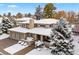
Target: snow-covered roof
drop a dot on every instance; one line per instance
(19, 29)
(47, 21)
(42, 21)
(39, 31)
(23, 19)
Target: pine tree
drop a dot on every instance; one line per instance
(38, 13)
(4, 15)
(9, 14)
(25, 15)
(29, 15)
(61, 40)
(5, 25)
(12, 21)
(49, 10)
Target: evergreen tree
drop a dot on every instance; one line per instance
(5, 25)
(25, 15)
(9, 14)
(12, 21)
(19, 15)
(29, 15)
(49, 10)
(0, 15)
(38, 13)
(4, 15)
(61, 40)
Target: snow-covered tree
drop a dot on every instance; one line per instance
(61, 40)
(12, 21)
(5, 25)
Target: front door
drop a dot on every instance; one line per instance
(38, 37)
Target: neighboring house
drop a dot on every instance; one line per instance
(0, 28)
(76, 28)
(37, 29)
(24, 19)
(46, 23)
(0, 25)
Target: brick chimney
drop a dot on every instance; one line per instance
(31, 24)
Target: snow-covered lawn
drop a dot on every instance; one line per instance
(48, 51)
(1, 53)
(43, 51)
(4, 36)
(76, 47)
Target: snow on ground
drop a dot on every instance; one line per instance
(48, 51)
(2, 53)
(15, 48)
(4, 36)
(76, 47)
(39, 52)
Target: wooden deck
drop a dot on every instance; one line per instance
(9, 42)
